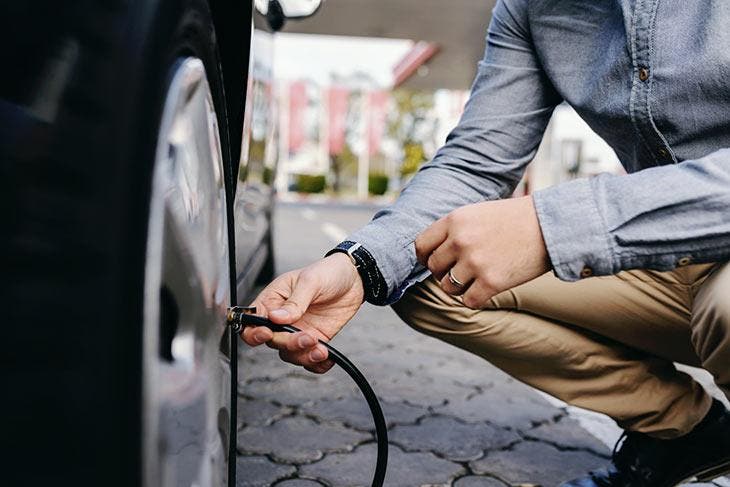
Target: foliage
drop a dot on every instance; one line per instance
(310, 183)
(413, 157)
(377, 183)
(268, 176)
(256, 150)
(412, 126)
(255, 161)
(342, 165)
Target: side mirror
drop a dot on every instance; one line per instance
(278, 11)
(299, 9)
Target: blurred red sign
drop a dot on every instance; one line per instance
(297, 107)
(377, 119)
(337, 98)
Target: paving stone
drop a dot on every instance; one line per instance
(298, 483)
(354, 412)
(536, 463)
(260, 471)
(480, 376)
(418, 389)
(255, 363)
(476, 481)
(568, 433)
(452, 439)
(357, 468)
(299, 389)
(257, 412)
(297, 440)
(504, 408)
(442, 363)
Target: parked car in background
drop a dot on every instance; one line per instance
(137, 156)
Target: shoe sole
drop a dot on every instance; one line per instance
(708, 474)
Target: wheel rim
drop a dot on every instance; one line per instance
(186, 380)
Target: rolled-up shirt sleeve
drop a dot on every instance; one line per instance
(658, 218)
(484, 156)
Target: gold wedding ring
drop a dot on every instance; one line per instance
(454, 280)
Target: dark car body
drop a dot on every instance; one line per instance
(72, 377)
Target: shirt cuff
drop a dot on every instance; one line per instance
(574, 231)
(372, 280)
(395, 256)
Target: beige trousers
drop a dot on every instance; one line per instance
(607, 344)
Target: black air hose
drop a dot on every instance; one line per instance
(239, 318)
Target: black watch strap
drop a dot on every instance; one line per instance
(376, 289)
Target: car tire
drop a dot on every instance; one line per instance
(74, 254)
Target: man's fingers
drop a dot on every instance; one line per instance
(316, 367)
(300, 341)
(296, 348)
(477, 296)
(440, 261)
(303, 292)
(308, 358)
(321, 367)
(428, 240)
(301, 344)
(257, 335)
(462, 274)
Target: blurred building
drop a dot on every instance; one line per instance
(357, 111)
(569, 150)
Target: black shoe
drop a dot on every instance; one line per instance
(642, 461)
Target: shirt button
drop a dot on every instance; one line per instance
(684, 261)
(586, 272)
(643, 74)
(662, 153)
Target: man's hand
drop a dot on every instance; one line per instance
(489, 247)
(319, 299)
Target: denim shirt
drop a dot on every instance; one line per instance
(651, 77)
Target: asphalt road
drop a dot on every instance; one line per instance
(453, 418)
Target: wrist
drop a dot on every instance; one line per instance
(349, 270)
(375, 289)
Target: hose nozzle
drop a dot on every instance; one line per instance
(236, 317)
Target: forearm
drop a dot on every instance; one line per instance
(389, 237)
(440, 187)
(484, 156)
(657, 218)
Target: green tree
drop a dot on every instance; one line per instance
(342, 165)
(411, 125)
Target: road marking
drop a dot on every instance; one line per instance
(335, 233)
(309, 214)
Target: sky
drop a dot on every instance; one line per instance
(316, 57)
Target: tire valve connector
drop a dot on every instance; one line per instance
(235, 317)
(239, 317)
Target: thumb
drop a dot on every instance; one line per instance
(296, 305)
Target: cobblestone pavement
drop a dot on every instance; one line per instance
(453, 419)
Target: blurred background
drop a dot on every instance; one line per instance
(366, 92)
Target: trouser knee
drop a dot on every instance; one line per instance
(426, 308)
(411, 308)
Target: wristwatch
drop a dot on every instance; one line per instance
(373, 283)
